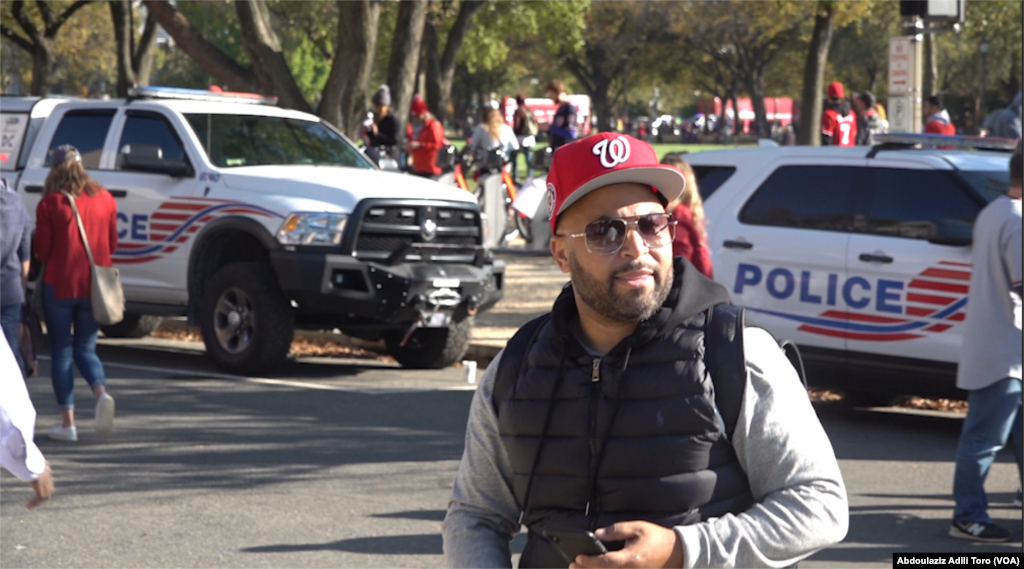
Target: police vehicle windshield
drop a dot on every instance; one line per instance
(248, 140)
(989, 183)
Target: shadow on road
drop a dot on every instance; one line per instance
(420, 544)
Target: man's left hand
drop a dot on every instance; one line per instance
(647, 545)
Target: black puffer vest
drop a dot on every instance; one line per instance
(632, 435)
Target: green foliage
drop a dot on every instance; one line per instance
(501, 27)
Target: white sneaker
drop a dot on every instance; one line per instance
(104, 415)
(67, 434)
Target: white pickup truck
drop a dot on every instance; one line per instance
(252, 220)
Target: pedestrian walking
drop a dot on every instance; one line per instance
(15, 257)
(563, 126)
(838, 121)
(1005, 123)
(426, 138)
(19, 454)
(603, 415)
(66, 283)
(382, 133)
(869, 122)
(990, 361)
(688, 212)
(936, 120)
(525, 127)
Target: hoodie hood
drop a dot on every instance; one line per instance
(691, 294)
(941, 117)
(842, 107)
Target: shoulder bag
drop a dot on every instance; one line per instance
(106, 294)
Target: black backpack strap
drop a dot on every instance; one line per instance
(514, 358)
(725, 360)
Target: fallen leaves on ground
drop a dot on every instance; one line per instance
(947, 405)
(301, 346)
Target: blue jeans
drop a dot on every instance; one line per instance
(65, 347)
(10, 321)
(993, 416)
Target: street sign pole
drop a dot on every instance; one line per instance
(906, 80)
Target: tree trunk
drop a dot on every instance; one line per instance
(814, 76)
(439, 82)
(756, 88)
(405, 57)
(43, 57)
(931, 67)
(343, 101)
(264, 49)
(142, 59)
(211, 59)
(432, 57)
(120, 10)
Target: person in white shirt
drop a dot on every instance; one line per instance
(18, 452)
(990, 360)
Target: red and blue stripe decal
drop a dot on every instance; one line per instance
(176, 221)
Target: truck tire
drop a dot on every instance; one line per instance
(247, 323)
(133, 326)
(431, 348)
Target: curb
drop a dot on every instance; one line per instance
(476, 352)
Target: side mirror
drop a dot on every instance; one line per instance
(149, 158)
(952, 232)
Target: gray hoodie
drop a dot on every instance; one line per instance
(15, 244)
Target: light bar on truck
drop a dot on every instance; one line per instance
(946, 141)
(181, 94)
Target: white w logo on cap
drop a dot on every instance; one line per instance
(612, 152)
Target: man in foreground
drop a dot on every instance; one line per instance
(608, 419)
(990, 361)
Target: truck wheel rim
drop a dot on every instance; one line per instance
(234, 320)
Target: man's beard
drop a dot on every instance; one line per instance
(631, 306)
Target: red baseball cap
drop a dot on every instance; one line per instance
(581, 167)
(835, 90)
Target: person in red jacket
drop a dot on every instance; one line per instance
(838, 122)
(427, 139)
(67, 282)
(937, 119)
(691, 239)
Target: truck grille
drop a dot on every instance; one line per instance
(384, 228)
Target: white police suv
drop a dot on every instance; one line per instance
(861, 256)
(253, 220)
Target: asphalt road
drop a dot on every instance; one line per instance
(350, 464)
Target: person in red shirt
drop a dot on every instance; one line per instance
(427, 139)
(691, 239)
(937, 119)
(67, 282)
(838, 122)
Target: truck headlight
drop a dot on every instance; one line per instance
(312, 229)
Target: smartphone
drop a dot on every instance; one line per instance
(573, 541)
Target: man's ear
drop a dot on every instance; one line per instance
(560, 252)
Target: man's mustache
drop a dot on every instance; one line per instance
(635, 266)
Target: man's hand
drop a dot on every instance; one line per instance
(647, 545)
(413, 145)
(43, 487)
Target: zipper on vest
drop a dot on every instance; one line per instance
(595, 378)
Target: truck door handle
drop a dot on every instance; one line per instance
(730, 244)
(869, 258)
(33, 189)
(118, 193)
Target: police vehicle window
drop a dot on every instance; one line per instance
(234, 140)
(989, 183)
(908, 203)
(152, 130)
(86, 131)
(710, 178)
(805, 197)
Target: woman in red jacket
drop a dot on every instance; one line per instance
(427, 139)
(691, 236)
(67, 282)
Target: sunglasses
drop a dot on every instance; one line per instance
(606, 236)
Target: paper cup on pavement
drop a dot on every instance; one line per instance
(470, 370)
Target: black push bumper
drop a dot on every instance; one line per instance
(340, 289)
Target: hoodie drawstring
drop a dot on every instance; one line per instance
(543, 437)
